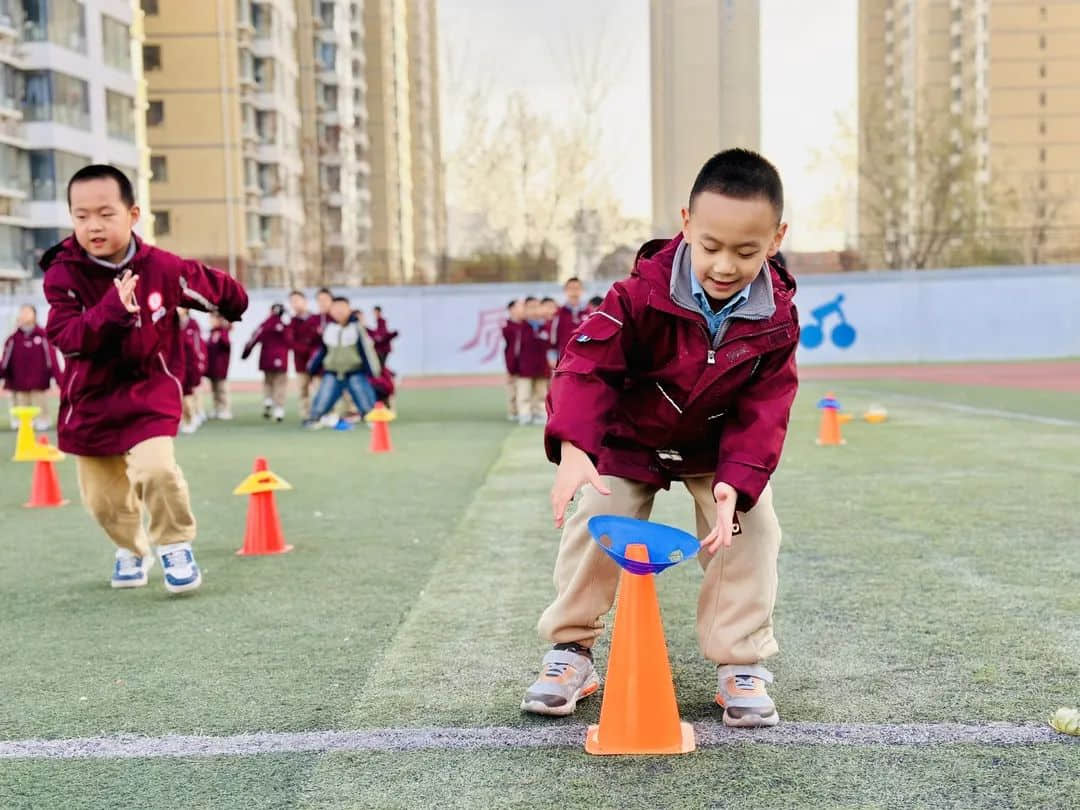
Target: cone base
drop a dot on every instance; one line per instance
(820, 443)
(29, 505)
(242, 553)
(687, 744)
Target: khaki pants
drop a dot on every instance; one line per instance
(735, 605)
(511, 396)
(116, 490)
(306, 382)
(275, 387)
(36, 399)
(531, 393)
(220, 389)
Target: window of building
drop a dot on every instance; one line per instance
(62, 22)
(116, 42)
(1042, 71)
(155, 113)
(1042, 99)
(1042, 42)
(326, 14)
(330, 96)
(1043, 16)
(1042, 126)
(50, 170)
(120, 116)
(49, 95)
(12, 87)
(1042, 154)
(159, 169)
(151, 57)
(327, 55)
(14, 168)
(1042, 182)
(162, 223)
(150, 7)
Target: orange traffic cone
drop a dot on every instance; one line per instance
(829, 433)
(380, 418)
(45, 486)
(263, 534)
(639, 714)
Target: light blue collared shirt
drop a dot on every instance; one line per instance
(716, 319)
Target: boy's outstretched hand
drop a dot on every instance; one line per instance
(575, 471)
(725, 518)
(125, 288)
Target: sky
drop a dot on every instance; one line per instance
(808, 78)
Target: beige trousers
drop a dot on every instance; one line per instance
(220, 389)
(305, 383)
(738, 591)
(116, 490)
(275, 387)
(36, 399)
(531, 393)
(511, 395)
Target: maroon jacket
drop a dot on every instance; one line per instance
(305, 338)
(383, 337)
(194, 356)
(652, 397)
(533, 345)
(28, 362)
(218, 351)
(273, 334)
(122, 379)
(565, 324)
(510, 332)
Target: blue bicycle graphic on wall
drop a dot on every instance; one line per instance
(842, 335)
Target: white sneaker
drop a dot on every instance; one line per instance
(187, 428)
(330, 420)
(201, 419)
(181, 571)
(224, 416)
(279, 414)
(130, 570)
(42, 426)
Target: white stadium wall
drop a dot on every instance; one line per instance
(849, 318)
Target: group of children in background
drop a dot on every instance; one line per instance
(536, 333)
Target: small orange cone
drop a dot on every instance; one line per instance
(829, 433)
(45, 486)
(639, 714)
(380, 418)
(263, 534)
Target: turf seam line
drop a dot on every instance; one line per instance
(709, 735)
(974, 410)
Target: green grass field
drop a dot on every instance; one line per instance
(928, 574)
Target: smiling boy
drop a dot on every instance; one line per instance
(685, 373)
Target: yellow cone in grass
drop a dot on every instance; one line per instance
(1067, 721)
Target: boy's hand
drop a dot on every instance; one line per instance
(575, 471)
(725, 518)
(125, 288)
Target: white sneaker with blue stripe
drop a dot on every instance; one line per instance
(181, 571)
(130, 570)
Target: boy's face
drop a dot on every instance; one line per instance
(26, 317)
(377, 312)
(729, 240)
(548, 310)
(340, 311)
(532, 310)
(323, 301)
(102, 220)
(517, 311)
(573, 293)
(298, 304)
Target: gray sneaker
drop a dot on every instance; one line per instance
(565, 678)
(741, 691)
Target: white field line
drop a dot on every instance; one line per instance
(972, 410)
(709, 735)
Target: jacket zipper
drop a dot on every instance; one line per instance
(71, 402)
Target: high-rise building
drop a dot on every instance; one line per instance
(224, 130)
(408, 216)
(1005, 77)
(71, 95)
(706, 93)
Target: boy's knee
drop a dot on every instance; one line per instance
(155, 472)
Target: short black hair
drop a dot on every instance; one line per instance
(742, 174)
(340, 299)
(325, 291)
(103, 171)
(531, 298)
(511, 304)
(377, 307)
(297, 292)
(571, 280)
(547, 299)
(595, 301)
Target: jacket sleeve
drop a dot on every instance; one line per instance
(315, 363)
(755, 429)
(252, 341)
(589, 378)
(74, 330)
(5, 358)
(210, 290)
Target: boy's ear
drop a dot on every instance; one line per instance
(135, 214)
(686, 224)
(778, 240)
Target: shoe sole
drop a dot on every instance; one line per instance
(134, 583)
(190, 586)
(749, 720)
(590, 687)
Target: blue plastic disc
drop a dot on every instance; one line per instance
(667, 546)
